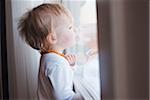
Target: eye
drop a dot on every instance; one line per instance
(70, 27)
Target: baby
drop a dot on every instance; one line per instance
(49, 28)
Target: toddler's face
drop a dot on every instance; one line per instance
(65, 33)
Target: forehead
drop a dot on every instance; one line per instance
(64, 20)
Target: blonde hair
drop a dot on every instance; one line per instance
(35, 25)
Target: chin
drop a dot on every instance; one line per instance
(69, 46)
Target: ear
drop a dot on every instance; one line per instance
(51, 38)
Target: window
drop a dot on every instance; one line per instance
(86, 49)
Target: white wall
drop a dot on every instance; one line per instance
(23, 61)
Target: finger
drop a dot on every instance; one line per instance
(69, 58)
(73, 57)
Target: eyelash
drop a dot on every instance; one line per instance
(70, 27)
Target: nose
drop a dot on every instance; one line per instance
(76, 31)
(77, 37)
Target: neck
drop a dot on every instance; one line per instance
(53, 51)
(57, 49)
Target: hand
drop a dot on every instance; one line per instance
(71, 59)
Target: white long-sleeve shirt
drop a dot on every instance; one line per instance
(55, 79)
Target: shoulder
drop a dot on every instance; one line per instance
(54, 63)
(52, 60)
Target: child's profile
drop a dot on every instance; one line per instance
(49, 28)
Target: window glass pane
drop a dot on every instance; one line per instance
(86, 48)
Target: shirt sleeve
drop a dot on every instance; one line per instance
(61, 77)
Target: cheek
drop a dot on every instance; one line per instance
(68, 38)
